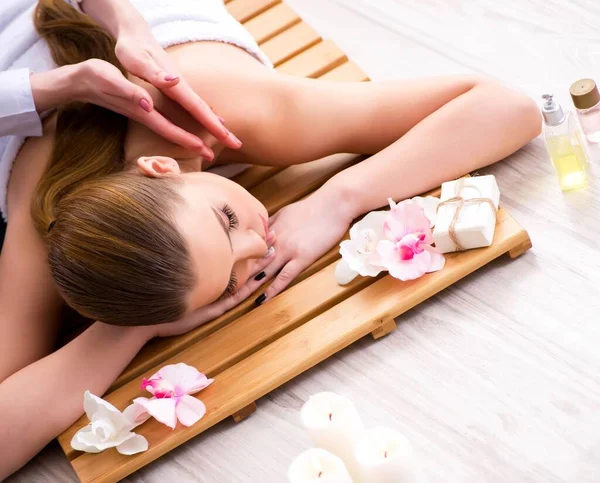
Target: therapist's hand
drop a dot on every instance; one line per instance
(143, 56)
(98, 82)
(101, 83)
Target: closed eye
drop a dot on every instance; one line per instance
(231, 287)
(231, 216)
(233, 224)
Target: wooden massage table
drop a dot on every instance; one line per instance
(251, 351)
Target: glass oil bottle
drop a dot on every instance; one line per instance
(564, 145)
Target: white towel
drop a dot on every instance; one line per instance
(172, 22)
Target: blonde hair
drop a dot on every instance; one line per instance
(114, 248)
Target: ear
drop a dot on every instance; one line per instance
(158, 166)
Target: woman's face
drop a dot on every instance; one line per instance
(226, 229)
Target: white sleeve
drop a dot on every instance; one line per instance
(75, 4)
(18, 115)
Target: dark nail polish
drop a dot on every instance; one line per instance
(260, 299)
(260, 276)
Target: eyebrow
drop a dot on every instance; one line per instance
(222, 223)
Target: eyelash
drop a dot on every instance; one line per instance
(232, 285)
(231, 216)
(233, 224)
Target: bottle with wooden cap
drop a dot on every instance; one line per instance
(586, 98)
(564, 144)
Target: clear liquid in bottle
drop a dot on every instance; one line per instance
(569, 161)
(565, 145)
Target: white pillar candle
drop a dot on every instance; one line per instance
(318, 466)
(333, 423)
(385, 456)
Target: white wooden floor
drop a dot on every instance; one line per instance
(497, 379)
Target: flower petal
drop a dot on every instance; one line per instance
(371, 221)
(429, 205)
(163, 410)
(200, 383)
(385, 248)
(437, 259)
(133, 445)
(104, 429)
(190, 410)
(413, 217)
(86, 440)
(79, 443)
(408, 270)
(136, 415)
(183, 377)
(98, 408)
(364, 265)
(343, 273)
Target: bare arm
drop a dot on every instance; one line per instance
(50, 391)
(41, 394)
(421, 132)
(484, 124)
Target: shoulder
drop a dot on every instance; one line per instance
(29, 166)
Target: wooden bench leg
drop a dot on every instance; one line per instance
(244, 412)
(387, 326)
(521, 248)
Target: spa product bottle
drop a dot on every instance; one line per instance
(564, 144)
(586, 99)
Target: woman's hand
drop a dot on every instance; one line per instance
(98, 82)
(141, 55)
(210, 312)
(306, 230)
(101, 83)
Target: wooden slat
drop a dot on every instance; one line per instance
(314, 62)
(244, 10)
(255, 175)
(297, 351)
(297, 181)
(345, 72)
(271, 22)
(290, 43)
(159, 350)
(245, 335)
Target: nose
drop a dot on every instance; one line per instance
(248, 244)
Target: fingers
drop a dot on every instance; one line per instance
(155, 67)
(162, 126)
(142, 64)
(110, 89)
(135, 95)
(287, 274)
(184, 95)
(218, 308)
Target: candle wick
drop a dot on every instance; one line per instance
(330, 416)
(385, 454)
(320, 473)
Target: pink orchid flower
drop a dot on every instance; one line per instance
(172, 387)
(408, 252)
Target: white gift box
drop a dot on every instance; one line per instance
(476, 222)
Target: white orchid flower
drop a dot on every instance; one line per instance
(109, 428)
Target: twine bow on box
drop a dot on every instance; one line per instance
(460, 185)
